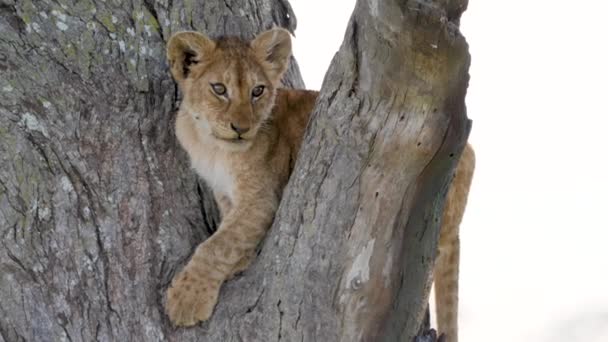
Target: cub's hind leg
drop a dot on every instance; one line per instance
(448, 261)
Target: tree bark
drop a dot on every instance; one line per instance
(349, 255)
(98, 207)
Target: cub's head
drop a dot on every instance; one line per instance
(229, 85)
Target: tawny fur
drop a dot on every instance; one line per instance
(248, 170)
(448, 259)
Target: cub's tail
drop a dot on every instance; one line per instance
(447, 264)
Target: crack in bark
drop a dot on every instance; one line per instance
(150, 7)
(255, 304)
(333, 94)
(354, 39)
(279, 336)
(228, 6)
(299, 314)
(9, 12)
(22, 266)
(103, 254)
(324, 172)
(63, 324)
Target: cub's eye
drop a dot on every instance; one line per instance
(218, 88)
(257, 91)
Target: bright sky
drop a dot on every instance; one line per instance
(535, 236)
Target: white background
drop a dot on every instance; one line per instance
(535, 235)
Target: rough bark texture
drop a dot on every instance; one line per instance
(350, 252)
(98, 207)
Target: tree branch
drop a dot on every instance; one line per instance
(98, 206)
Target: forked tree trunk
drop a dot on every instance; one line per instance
(98, 207)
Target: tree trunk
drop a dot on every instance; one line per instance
(98, 207)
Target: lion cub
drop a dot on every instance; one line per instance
(243, 134)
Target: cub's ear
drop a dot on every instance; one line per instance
(273, 49)
(185, 49)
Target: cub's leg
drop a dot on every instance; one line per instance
(225, 207)
(223, 202)
(194, 291)
(447, 264)
(242, 265)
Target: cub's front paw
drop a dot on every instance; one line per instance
(191, 300)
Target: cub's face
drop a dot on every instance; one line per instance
(229, 85)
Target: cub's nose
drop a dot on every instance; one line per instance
(239, 129)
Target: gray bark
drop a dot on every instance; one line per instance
(98, 207)
(349, 255)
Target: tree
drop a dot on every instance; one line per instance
(98, 207)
